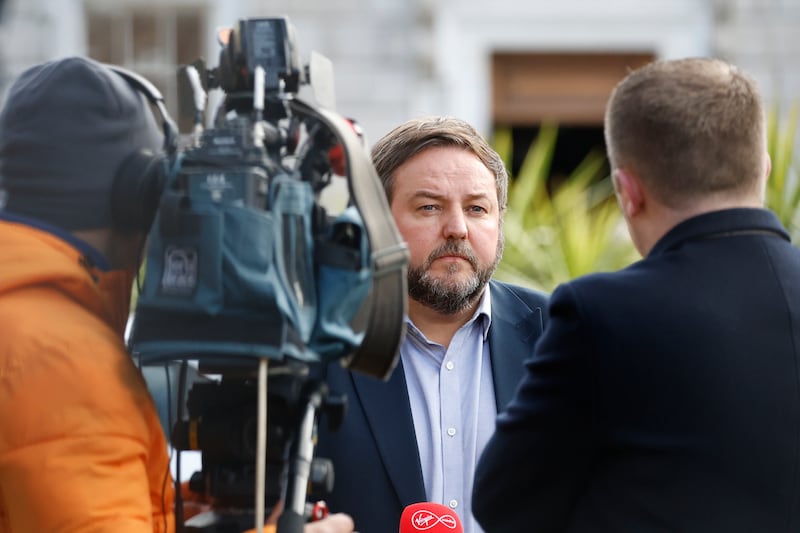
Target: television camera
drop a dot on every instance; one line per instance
(250, 280)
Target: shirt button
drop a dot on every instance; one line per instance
(451, 431)
(449, 365)
(453, 504)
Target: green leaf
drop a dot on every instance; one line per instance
(554, 236)
(783, 185)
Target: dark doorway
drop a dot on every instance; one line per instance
(569, 89)
(573, 144)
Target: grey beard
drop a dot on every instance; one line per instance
(446, 296)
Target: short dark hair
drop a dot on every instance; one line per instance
(419, 134)
(688, 127)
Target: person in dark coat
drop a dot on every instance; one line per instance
(666, 396)
(418, 436)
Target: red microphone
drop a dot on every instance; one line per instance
(431, 518)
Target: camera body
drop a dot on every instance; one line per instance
(240, 240)
(246, 267)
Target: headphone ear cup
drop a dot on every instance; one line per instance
(136, 191)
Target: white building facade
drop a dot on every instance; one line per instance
(394, 59)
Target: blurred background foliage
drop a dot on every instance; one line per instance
(558, 229)
(783, 185)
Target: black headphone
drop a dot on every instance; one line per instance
(141, 176)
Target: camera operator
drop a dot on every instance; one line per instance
(81, 446)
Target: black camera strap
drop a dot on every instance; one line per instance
(386, 323)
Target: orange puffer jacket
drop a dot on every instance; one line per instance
(81, 447)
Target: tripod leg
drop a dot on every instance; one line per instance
(293, 516)
(261, 444)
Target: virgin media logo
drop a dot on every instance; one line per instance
(424, 520)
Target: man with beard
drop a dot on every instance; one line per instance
(417, 436)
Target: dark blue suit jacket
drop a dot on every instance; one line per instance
(376, 462)
(661, 398)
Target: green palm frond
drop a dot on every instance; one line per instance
(783, 185)
(576, 228)
(554, 236)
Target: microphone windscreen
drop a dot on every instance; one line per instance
(429, 517)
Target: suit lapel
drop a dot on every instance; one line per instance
(387, 409)
(388, 413)
(510, 341)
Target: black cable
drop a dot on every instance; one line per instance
(178, 497)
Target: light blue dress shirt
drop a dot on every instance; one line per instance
(453, 407)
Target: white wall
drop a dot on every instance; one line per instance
(762, 37)
(467, 33)
(394, 59)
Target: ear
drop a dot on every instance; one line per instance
(629, 192)
(769, 167)
(764, 179)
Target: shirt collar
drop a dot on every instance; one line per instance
(484, 311)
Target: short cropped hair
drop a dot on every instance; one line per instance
(419, 134)
(688, 127)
